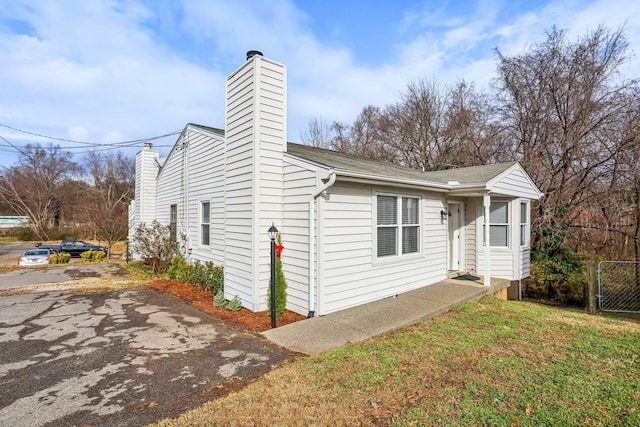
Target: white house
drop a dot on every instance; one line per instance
(354, 229)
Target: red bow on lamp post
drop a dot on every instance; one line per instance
(279, 249)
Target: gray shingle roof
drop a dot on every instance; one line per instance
(342, 162)
(208, 128)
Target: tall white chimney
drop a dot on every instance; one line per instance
(255, 131)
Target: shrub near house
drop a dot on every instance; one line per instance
(204, 276)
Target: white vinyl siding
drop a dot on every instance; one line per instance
(471, 236)
(145, 186)
(255, 132)
(515, 183)
(513, 261)
(298, 187)
(525, 260)
(169, 193)
(352, 273)
(194, 172)
(239, 182)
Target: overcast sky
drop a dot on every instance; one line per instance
(110, 71)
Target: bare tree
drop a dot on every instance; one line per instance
(107, 201)
(319, 133)
(477, 136)
(363, 137)
(416, 127)
(559, 102)
(32, 187)
(619, 201)
(431, 127)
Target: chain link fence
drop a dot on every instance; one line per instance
(619, 286)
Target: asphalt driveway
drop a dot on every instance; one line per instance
(73, 275)
(125, 357)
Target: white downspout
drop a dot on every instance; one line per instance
(312, 241)
(486, 204)
(186, 189)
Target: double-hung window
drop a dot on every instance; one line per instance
(173, 222)
(398, 225)
(205, 222)
(524, 224)
(499, 224)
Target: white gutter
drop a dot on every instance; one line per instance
(312, 240)
(369, 178)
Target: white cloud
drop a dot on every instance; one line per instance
(106, 71)
(78, 133)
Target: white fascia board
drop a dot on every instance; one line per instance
(470, 190)
(254, 58)
(403, 182)
(173, 149)
(206, 132)
(308, 165)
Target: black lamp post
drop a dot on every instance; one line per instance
(273, 233)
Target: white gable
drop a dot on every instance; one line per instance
(514, 182)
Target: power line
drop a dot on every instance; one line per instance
(98, 146)
(11, 145)
(113, 144)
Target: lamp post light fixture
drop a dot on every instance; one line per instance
(273, 234)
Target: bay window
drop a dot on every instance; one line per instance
(499, 224)
(524, 224)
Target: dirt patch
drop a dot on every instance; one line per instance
(203, 300)
(80, 274)
(118, 271)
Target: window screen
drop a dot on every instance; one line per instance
(410, 225)
(393, 237)
(387, 225)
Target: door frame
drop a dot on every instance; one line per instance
(455, 236)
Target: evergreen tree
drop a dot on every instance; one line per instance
(281, 284)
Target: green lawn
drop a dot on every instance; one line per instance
(491, 362)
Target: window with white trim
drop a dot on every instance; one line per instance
(499, 224)
(397, 225)
(205, 222)
(173, 222)
(524, 223)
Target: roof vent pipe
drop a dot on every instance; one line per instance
(253, 53)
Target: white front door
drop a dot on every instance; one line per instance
(455, 237)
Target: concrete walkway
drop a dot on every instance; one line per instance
(323, 333)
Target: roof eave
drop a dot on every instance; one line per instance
(350, 176)
(469, 190)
